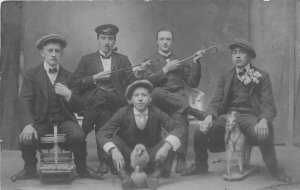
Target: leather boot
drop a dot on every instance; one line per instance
(126, 181)
(102, 167)
(86, 172)
(28, 173)
(199, 115)
(153, 179)
(195, 170)
(181, 163)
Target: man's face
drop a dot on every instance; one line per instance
(52, 53)
(240, 57)
(106, 42)
(141, 98)
(164, 41)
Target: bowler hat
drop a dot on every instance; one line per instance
(244, 44)
(138, 83)
(40, 43)
(107, 29)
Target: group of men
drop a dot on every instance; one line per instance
(127, 107)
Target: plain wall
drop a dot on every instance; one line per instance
(196, 24)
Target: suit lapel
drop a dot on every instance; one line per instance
(228, 83)
(114, 60)
(97, 63)
(42, 78)
(252, 84)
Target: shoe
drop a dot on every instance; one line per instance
(112, 168)
(113, 171)
(127, 182)
(280, 175)
(199, 115)
(102, 167)
(194, 170)
(87, 172)
(153, 179)
(181, 163)
(24, 174)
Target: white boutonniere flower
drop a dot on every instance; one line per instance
(250, 76)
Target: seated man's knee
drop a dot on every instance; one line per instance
(77, 136)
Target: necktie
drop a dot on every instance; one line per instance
(141, 120)
(242, 72)
(53, 70)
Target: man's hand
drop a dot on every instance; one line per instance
(162, 153)
(63, 90)
(101, 75)
(171, 65)
(198, 56)
(118, 159)
(139, 71)
(261, 129)
(205, 124)
(28, 134)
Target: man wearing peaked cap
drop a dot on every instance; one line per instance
(45, 101)
(107, 29)
(247, 90)
(102, 92)
(141, 123)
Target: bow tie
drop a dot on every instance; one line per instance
(107, 57)
(53, 70)
(242, 72)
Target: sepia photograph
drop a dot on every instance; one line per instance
(150, 94)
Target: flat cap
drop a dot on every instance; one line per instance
(107, 29)
(51, 38)
(244, 44)
(138, 83)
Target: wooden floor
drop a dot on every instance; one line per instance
(288, 158)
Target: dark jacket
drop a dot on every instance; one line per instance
(123, 124)
(261, 96)
(33, 101)
(82, 78)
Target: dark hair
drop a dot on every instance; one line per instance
(165, 30)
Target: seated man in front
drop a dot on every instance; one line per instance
(141, 123)
(247, 90)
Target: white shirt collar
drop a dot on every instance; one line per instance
(47, 67)
(137, 112)
(247, 67)
(165, 54)
(103, 54)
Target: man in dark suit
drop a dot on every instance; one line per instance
(45, 101)
(247, 90)
(102, 92)
(141, 123)
(168, 77)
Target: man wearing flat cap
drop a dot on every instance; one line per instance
(45, 101)
(168, 77)
(102, 92)
(247, 90)
(141, 123)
